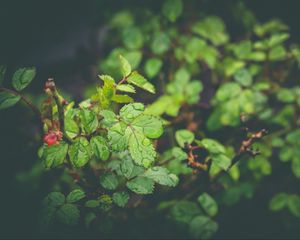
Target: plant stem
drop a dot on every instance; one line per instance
(25, 100)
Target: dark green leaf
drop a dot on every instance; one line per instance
(109, 181)
(22, 77)
(8, 100)
(75, 196)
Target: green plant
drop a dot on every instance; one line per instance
(204, 135)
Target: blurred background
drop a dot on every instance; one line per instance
(65, 40)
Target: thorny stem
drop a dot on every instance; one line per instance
(25, 100)
(60, 107)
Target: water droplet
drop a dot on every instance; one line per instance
(146, 142)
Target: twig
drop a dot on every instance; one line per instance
(24, 99)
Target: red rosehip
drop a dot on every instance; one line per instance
(50, 138)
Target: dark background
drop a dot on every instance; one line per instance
(64, 39)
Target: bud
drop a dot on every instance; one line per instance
(53, 137)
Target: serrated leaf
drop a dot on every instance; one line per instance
(278, 202)
(138, 80)
(128, 168)
(109, 181)
(125, 66)
(122, 98)
(151, 126)
(68, 214)
(141, 185)
(89, 218)
(202, 227)
(79, 152)
(55, 155)
(75, 196)
(152, 67)
(92, 203)
(294, 205)
(141, 148)
(22, 77)
(243, 77)
(131, 111)
(172, 9)
(8, 100)
(89, 120)
(162, 176)
(116, 136)
(161, 43)
(109, 118)
(184, 211)
(184, 136)
(212, 146)
(54, 199)
(100, 147)
(120, 198)
(208, 204)
(71, 126)
(126, 88)
(132, 37)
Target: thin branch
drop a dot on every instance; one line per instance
(25, 100)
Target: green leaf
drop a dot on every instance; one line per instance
(277, 53)
(79, 152)
(71, 126)
(100, 147)
(294, 205)
(278, 202)
(172, 9)
(128, 168)
(141, 185)
(68, 214)
(202, 227)
(92, 203)
(221, 160)
(109, 118)
(89, 120)
(243, 77)
(213, 29)
(75, 196)
(285, 95)
(126, 88)
(122, 98)
(22, 77)
(120, 198)
(212, 146)
(162, 176)
(116, 136)
(55, 155)
(152, 67)
(138, 80)
(131, 111)
(161, 43)
(125, 66)
(151, 126)
(109, 181)
(8, 100)
(141, 148)
(89, 218)
(184, 211)
(208, 204)
(184, 136)
(132, 38)
(54, 199)
(296, 165)
(2, 73)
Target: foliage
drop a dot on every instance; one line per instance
(200, 85)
